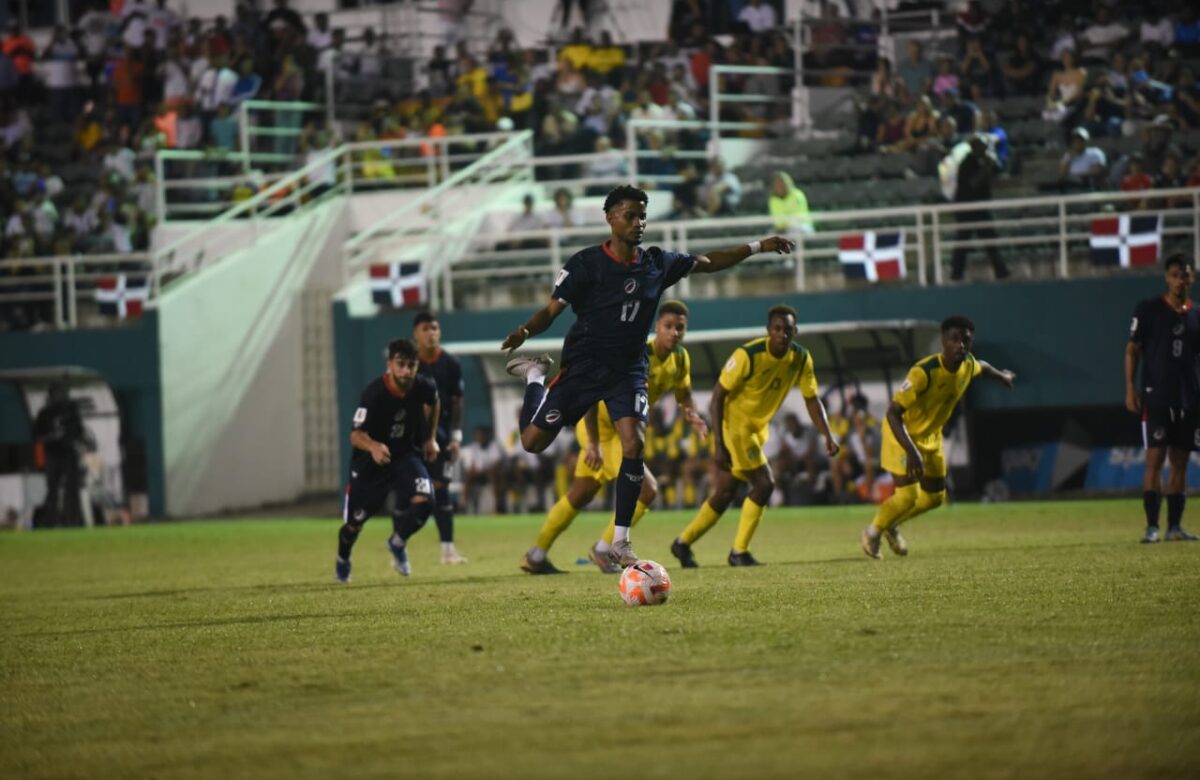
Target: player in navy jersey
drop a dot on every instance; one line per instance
(393, 438)
(444, 370)
(1165, 336)
(614, 289)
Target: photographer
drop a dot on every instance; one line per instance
(59, 429)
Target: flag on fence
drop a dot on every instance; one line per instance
(122, 295)
(1129, 241)
(397, 284)
(872, 256)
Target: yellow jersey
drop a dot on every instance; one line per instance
(672, 373)
(758, 382)
(930, 392)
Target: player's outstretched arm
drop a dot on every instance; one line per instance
(727, 258)
(541, 320)
(1133, 401)
(895, 419)
(1004, 377)
(816, 413)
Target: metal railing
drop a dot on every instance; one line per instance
(61, 291)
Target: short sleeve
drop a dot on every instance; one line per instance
(736, 370)
(431, 393)
(976, 367)
(676, 266)
(570, 284)
(914, 384)
(1137, 327)
(457, 389)
(806, 380)
(365, 402)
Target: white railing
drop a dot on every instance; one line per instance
(53, 289)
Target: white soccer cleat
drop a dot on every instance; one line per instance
(622, 554)
(452, 559)
(521, 366)
(870, 545)
(896, 541)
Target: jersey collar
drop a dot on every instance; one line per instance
(390, 384)
(637, 255)
(1187, 304)
(431, 360)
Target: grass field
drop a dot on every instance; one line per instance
(1023, 640)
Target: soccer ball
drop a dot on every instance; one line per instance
(645, 584)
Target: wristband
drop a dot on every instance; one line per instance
(456, 436)
(755, 247)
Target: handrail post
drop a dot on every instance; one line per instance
(922, 279)
(631, 149)
(681, 244)
(72, 311)
(244, 134)
(714, 112)
(58, 294)
(798, 257)
(160, 193)
(1062, 240)
(1196, 223)
(937, 248)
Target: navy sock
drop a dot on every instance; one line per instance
(347, 536)
(407, 522)
(534, 393)
(629, 487)
(1151, 501)
(443, 513)
(1175, 503)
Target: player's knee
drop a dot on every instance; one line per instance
(932, 500)
(761, 492)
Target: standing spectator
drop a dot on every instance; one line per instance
(177, 82)
(127, 89)
(1102, 37)
(1082, 165)
(1022, 70)
(18, 47)
(990, 125)
(483, 464)
(370, 56)
(214, 88)
(320, 37)
(1155, 32)
(975, 175)
(1065, 94)
(223, 129)
(721, 190)
(163, 22)
(59, 430)
(916, 72)
(248, 83)
(788, 205)
(94, 33)
(883, 83)
(758, 16)
(60, 57)
(946, 79)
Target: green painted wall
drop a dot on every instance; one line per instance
(128, 359)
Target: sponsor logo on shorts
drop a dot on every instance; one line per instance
(1159, 434)
(553, 416)
(359, 514)
(630, 286)
(422, 486)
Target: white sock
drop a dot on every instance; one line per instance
(536, 375)
(620, 534)
(603, 546)
(872, 531)
(396, 540)
(537, 554)
(447, 548)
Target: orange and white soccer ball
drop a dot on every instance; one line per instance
(645, 584)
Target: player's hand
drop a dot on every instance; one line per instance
(916, 466)
(779, 245)
(592, 457)
(452, 451)
(696, 421)
(514, 340)
(1133, 402)
(721, 456)
(831, 447)
(430, 450)
(381, 454)
(1007, 378)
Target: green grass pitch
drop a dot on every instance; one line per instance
(1019, 640)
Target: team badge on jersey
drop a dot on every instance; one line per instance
(630, 286)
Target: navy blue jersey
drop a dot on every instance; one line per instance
(615, 303)
(446, 373)
(1169, 340)
(399, 422)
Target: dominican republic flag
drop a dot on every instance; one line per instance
(122, 295)
(397, 284)
(1128, 241)
(872, 256)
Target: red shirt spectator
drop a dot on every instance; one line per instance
(1137, 179)
(19, 48)
(702, 60)
(127, 80)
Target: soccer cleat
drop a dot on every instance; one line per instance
(521, 366)
(1151, 535)
(1179, 535)
(870, 545)
(896, 541)
(539, 567)
(742, 559)
(399, 558)
(621, 553)
(341, 571)
(601, 559)
(683, 551)
(452, 558)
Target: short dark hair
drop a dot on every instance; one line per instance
(1177, 259)
(403, 348)
(625, 192)
(423, 316)
(673, 307)
(958, 321)
(780, 310)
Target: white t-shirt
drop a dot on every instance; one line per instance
(1082, 165)
(60, 67)
(758, 19)
(161, 21)
(1100, 39)
(1161, 33)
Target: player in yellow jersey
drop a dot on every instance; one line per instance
(600, 446)
(912, 437)
(752, 386)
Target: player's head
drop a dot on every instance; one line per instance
(781, 328)
(402, 362)
(672, 324)
(1179, 272)
(958, 334)
(426, 331)
(625, 212)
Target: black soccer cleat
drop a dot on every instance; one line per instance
(683, 552)
(742, 559)
(539, 567)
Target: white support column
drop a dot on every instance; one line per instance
(922, 278)
(937, 249)
(1063, 271)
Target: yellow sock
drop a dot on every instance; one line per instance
(925, 502)
(638, 511)
(747, 525)
(557, 520)
(896, 507)
(705, 519)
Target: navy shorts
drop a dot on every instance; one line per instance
(441, 469)
(370, 484)
(1175, 428)
(580, 385)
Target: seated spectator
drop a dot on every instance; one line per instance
(682, 209)
(483, 465)
(1136, 180)
(1156, 34)
(916, 72)
(788, 205)
(990, 125)
(563, 214)
(1064, 38)
(1065, 94)
(869, 118)
(607, 58)
(1169, 175)
(1187, 32)
(1022, 70)
(1102, 37)
(721, 190)
(891, 129)
(527, 220)
(608, 164)
(964, 112)
(578, 50)
(757, 16)
(1185, 99)
(976, 69)
(61, 56)
(920, 125)
(1082, 165)
(1106, 109)
(570, 81)
(883, 83)
(946, 79)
